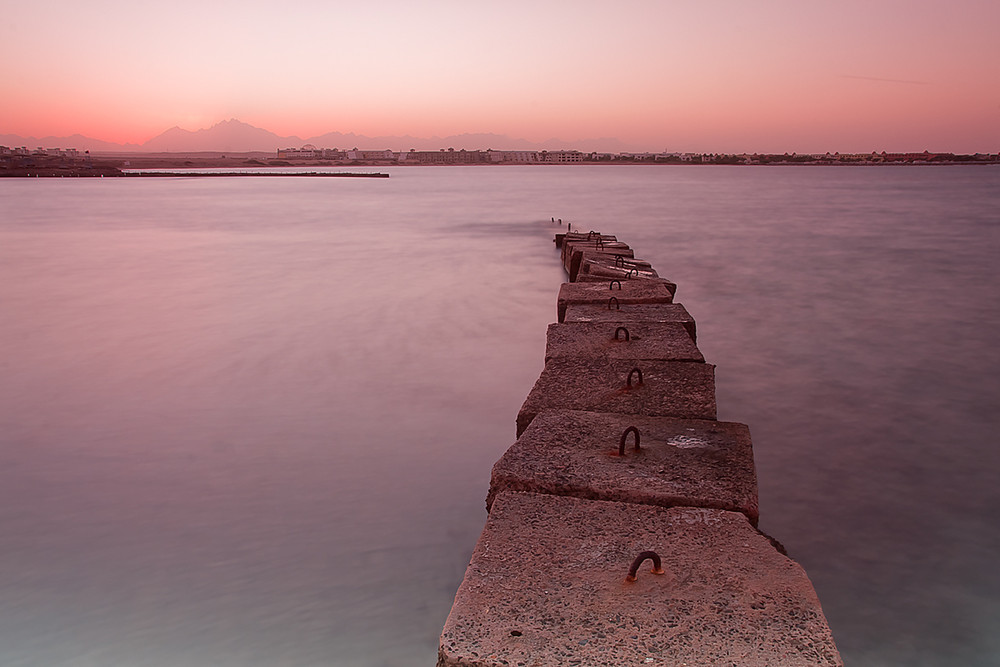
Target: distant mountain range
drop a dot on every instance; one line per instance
(238, 137)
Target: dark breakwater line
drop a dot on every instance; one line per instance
(230, 174)
(117, 173)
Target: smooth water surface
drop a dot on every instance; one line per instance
(251, 421)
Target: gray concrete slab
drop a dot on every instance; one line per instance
(603, 265)
(578, 235)
(584, 238)
(688, 462)
(547, 586)
(573, 253)
(683, 389)
(625, 292)
(588, 253)
(630, 313)
(605, 242)
(594, 272)
(635, 340)
(589, 278)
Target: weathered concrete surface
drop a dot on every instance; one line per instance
(690, 462)
(594, 274)
(599, 294)
(629, 313)
(574, 253)
(592, 268)
(569, 237)
(646, 340)
(574, 240)
(683, 389)
(605, 244)
(546, 586)
(612, 257)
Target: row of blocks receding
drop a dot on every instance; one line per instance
(619, 460)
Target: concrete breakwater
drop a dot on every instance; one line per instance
(619, 463)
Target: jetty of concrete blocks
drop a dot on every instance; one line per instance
(621, 525)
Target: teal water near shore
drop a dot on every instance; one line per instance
(252, 421)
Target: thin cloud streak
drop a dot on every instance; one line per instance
(876, 78)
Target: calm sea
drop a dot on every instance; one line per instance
(250, 422)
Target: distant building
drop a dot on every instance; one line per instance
(450, 156)
(563, 156)
(333, 154)
(520, 157)
(370, 156)
(307, 152)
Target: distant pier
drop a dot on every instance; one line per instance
(622, 525)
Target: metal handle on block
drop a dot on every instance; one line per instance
(621, 443)
(651, 555)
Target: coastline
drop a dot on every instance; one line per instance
(239, 164)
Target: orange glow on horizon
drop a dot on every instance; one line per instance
(773, 77)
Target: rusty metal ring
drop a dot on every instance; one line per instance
(628, 381)
(615, 300)
(621, 443)
(621, 329)
(651, 555)
(611, 285)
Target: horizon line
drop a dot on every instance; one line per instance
(536, 145)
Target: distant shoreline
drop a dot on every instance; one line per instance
(113, 172)
(267, 164)
(204, 174)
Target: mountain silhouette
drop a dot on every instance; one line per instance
(234, 136)
(77, 141)
(228, 136)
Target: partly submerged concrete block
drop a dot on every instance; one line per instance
(614, 293)
(602, 243)
(634, 340)
(595, 269)
(625, 315)
(683, 389)
(547, 586)
(573, 255)
(570, 236)
(690, 462)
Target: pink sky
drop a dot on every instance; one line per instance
(699, 75)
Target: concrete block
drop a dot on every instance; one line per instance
(683, 389)
(602, 266)
(624, 292)
(635, 340)
(573, 253)
(589, 235)
(591, 238)
(547, 586)
(630, 313)
(686, 462)
(591, 273)
(599, 277)
(606, 242)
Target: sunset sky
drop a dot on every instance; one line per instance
(699, 75)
